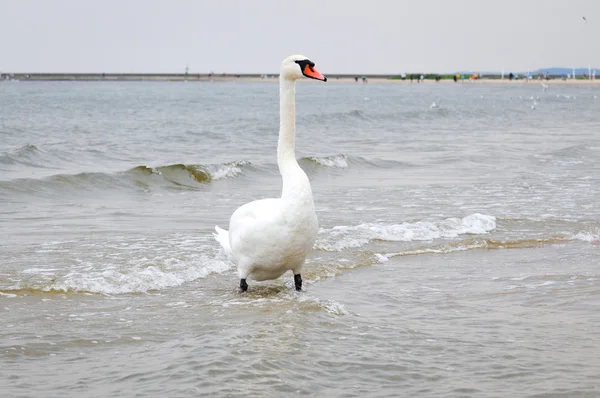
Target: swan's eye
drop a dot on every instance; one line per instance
(305, 62)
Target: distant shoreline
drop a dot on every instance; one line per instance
(204, 77)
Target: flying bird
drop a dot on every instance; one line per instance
(584, 19)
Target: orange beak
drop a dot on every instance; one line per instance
(311, 72)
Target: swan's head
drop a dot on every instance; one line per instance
(298, 66)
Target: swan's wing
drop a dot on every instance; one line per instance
(254, 224)
(254, 216)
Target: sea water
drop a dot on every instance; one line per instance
(458, 252)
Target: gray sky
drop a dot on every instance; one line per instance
(340, 36)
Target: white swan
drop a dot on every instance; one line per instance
(268, 237)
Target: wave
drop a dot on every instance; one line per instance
(483, 243)
(472, 244)
(132, 266)
(139, 280)
(344, 161)
(199, 173)
(343, 237)
(336, 161)
(23, 151)
(341, 117)
(585, 236)
(340, 238)
(181, 175)
(27, 155)
(137, 274)
(479, 243)
(178, 175)
(575, 151)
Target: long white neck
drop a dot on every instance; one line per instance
(295, 181)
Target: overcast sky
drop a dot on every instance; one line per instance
(253, 36)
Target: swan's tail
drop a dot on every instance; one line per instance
(222, 237)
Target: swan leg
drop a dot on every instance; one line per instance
(298, 281)
(243, 285)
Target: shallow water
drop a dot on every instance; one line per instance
(457, 256)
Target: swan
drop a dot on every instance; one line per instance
(268, 237)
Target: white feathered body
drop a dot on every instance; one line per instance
(271, 236)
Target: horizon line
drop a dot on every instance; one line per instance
(245, 74)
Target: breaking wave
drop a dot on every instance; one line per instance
(344, 161)
(335, 161)
(489, 244)
(342, 237)
(178, 175)
(124, 266)
(198, 173)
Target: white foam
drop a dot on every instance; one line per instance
(227, 170)
(592, 235)
(129, 264)
(41, 270)
(587, 236)
(333, 307)
(139, 278)
(381, 258)
(336, 161)
(342, 237)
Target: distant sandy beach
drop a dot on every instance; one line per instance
(265, 78)
(478, 81)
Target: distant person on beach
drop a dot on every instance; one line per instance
(403, 76)
(356, 79)
(511, 76)
(364, 79)
(455, 78)
(422, 78)
(411, 78)
(462, 78)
